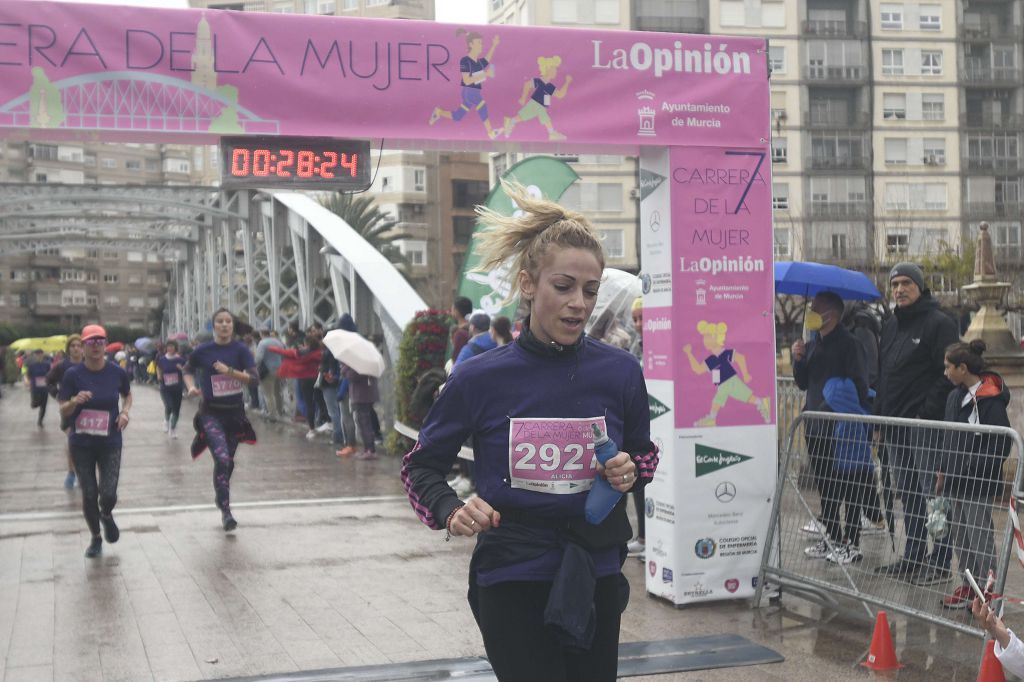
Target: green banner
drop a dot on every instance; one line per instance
(543, 176)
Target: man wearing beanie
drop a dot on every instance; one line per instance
(911, 384)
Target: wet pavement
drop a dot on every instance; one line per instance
(329, 568)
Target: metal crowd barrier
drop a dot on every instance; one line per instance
(883, 471)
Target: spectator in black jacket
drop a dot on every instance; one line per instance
(973, 462)
(911, 384)
(833, 353)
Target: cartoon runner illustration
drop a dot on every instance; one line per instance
(720, 364)
(475, 70)
(540, 100)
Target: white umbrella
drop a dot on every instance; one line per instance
(353, 350)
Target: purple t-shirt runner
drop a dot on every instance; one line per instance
(221, 390)
(723, 363)
(37, 372)
(170, 368)
(95, 422)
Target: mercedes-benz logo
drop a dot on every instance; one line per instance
(725, 492)
(655, 221)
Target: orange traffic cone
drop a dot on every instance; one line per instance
(882, 654)
(991, 668)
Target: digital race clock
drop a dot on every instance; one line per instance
(294, 163)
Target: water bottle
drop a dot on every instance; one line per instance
(602, 497)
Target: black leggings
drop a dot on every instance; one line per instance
(97, 497)
(171, 395)
(39, 399)
(308, 394)
(521, 649)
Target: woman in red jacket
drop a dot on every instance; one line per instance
(303, 364)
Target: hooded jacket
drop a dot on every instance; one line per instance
(911, 359)
(973, 462)
(852, 439)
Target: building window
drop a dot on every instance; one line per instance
(930, 18)
(892, 17)
(111, 301)
(897, 243)
(931, 63)
(419, 180)
(933, 106)
(152, 165)
(896, 150)
(463, 227)
(41, 177)
(934, 151)
(110, 278)
(839, 246)
(108, 163)
(613, 242)
(894, 106)
(935, 196)
(1006, 239)
(349, 4)
(326, 7)
(780, 150)
(136, 302)
(777, 58)
(781, 242)
(133, 164)
(892, 62)
(585, 12)
(780, 196)
(469, 193)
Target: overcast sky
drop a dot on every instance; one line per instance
(451, 11)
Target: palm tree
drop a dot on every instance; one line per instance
(372, 224)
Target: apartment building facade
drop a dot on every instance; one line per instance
(896, 125)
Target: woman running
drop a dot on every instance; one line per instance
(474, 69)
(35, 376)
(96, 397)
(73, 354)
(168, 375)
(226, 366)
(536, 555)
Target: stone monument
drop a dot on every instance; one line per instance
(1004, 353)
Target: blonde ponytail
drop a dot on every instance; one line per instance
(524, 239)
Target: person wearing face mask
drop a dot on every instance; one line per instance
(546, 586)
(832, 353)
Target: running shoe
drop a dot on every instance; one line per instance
(869, 526)
(174, 434)
(69, 480)
(365, 455)
(311, 434)
(95, 548)
(932, 575)
(345, 451)
(326, 427)
(903, 569)
(845, 554)
(228, 520)
(110, 530)
(635, 547)
(819, 550)
(812, 528)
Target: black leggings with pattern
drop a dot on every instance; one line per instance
(98, 495)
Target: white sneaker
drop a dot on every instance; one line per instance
(844, 554)
(819, 550)
(635, 547)
(174, 434)
(167, 426)
(813, 528)
(869, 526)
(326, 427)
(310, 435)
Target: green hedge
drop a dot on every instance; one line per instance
(423, 348)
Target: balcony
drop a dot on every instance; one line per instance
(833, 120)
(978, 162)
(990, 121)
(990, 209)
(824, 75)
(847, 255)
(995, 30)
(845, 162)
(835, 28)
(838, 209)
(663, 15)
(985, 75)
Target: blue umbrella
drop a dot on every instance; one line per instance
(807, 279)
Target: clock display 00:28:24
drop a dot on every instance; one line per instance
(305, 163)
